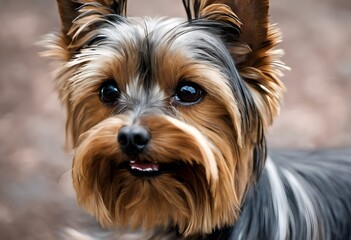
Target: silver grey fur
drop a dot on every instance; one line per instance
(300, 195)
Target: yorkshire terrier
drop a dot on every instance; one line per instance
(167, 119)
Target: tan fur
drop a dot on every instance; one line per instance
(209, 142)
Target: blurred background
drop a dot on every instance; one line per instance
(36, 196)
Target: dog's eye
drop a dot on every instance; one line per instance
(109, 92)
(188, 93)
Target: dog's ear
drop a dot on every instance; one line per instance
(76, 13)
(251, 16)
(68, 11)
(252, 49)
(254, 17)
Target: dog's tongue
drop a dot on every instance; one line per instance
(144, 166)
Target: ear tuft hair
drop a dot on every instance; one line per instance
(81, 15)
(252, 46)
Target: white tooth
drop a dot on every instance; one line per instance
(136, 168)
(143, 170)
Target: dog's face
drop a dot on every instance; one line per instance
(167, 116)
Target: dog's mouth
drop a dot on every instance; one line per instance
(145, 168)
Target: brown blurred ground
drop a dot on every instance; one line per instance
(36, 198)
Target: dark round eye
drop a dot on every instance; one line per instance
(109, 92)
(188, 93)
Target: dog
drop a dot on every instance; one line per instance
(167, 119)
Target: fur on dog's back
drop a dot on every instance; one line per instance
(300, 195)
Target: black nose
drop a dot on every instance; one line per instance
(133, 139)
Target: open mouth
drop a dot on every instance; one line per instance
(149, 169)
(141, 168)
(144, 168)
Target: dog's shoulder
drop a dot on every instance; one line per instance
(300, 195)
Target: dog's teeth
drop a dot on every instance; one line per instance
(144, 166)
(143, 170)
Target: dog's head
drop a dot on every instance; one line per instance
(167, 116)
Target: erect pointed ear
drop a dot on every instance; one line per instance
(68, 11)
(71, 10)
(257, 62)
(254, 17)
(251, 16)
